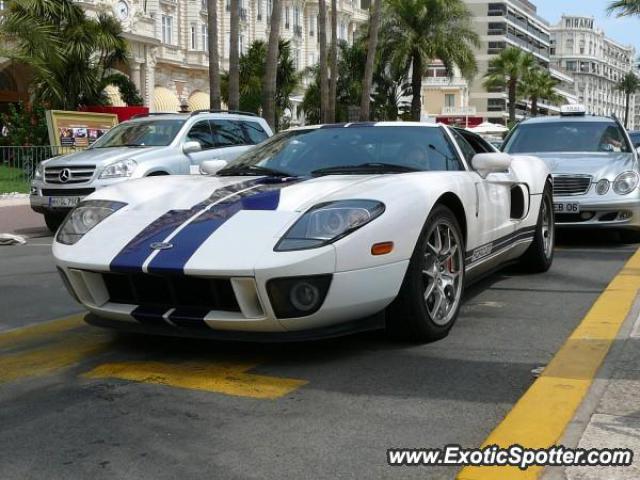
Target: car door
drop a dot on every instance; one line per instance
(493, 193)
(200, 132)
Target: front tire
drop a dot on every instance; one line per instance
(429, 299)
(539, 256)
(53, 221)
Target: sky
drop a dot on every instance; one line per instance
(625, 30)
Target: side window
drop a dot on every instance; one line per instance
(227, 133)
(254, 132)
(201, 133)
(467, 149)
(478, 143)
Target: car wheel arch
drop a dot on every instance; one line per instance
(453, 203)
(157, 173)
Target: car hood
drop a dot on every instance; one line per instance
(214, 224)
(598, 165)
(102, 156)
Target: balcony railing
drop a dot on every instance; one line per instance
(297, 30)
(444, 82)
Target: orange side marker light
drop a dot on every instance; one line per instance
(381, 248)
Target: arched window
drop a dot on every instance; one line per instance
(7, 82)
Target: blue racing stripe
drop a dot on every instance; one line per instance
(131, 258)
(192, 236)
(190, 318)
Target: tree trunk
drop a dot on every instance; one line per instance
(416, 87)
(324, 67)
(271, 67)
(534, 106)
(513, 84)
(333, 62)
(372, 45)
(626, 110)
(234, 56)
(214, 61)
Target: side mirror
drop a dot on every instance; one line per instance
(211, 167)
(638, 149)
(486, 163)
(191, 147)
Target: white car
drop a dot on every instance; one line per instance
(317, 232)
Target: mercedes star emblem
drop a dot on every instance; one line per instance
(65, 175)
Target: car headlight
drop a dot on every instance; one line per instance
(39, 173)
(328, 222)
(625, 183)
(602, 186)
(122, 168)
(83, 218)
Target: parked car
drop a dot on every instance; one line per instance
(163, 144)
(317, 232)
(594, 165)
(635, 139)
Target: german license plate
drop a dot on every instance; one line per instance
(566, 207)
(64, 202)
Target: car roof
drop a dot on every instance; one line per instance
(186, 116)
(567, 118)
(366, 124)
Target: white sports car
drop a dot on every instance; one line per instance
(317, 232)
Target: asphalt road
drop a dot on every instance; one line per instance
(84, 403)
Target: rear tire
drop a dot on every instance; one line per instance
(429, 299)
(539, 256)
(53, 221)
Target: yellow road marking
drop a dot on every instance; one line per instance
(221, 377)
(541, 415)
(13, 337)
(51, 358)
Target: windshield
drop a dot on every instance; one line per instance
(567, 137)
(152, 133)
(350, 150)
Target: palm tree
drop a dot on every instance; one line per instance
(506, 71)
(623, 8)
(333, 62)
(538, 84)
(214, 60)
(324, 79)
(372, 45)
(251, 72)
(629, 85)
(234, 56)
(417, 31)
(270, 71)
(70, 55)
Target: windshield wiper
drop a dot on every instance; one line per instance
(370, 167)
(252, 170)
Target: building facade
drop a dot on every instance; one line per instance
(511, 23)
(169, 42)
(596, 62)
(445, 97)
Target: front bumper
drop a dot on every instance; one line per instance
(352, 296)
(43, 195)
(607, 211)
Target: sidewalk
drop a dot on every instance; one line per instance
(17, 217)
(609, 417)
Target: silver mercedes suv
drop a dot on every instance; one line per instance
(156, 144)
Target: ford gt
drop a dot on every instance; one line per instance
(317, 232)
